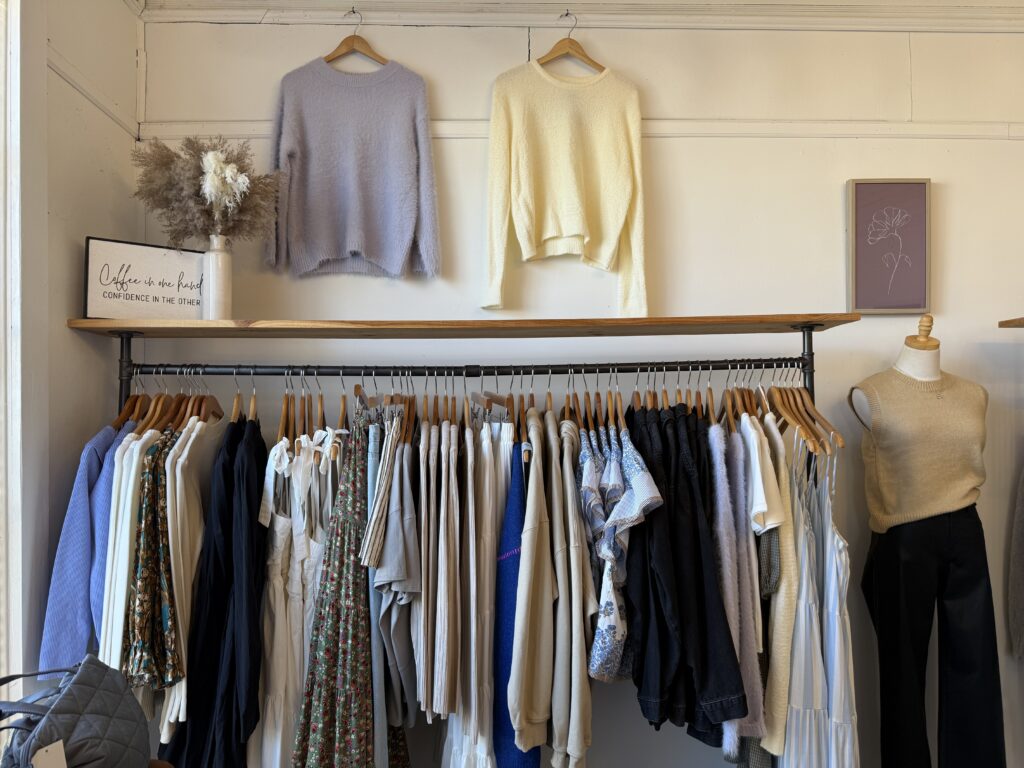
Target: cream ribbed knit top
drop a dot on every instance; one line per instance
(565, 177)
(923, 453)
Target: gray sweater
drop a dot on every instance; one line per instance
(357, 176)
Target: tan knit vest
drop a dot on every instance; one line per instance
(923, 455)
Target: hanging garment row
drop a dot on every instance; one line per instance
(479, 559)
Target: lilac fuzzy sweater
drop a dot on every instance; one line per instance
(357, 176)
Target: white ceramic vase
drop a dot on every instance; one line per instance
(217, 280)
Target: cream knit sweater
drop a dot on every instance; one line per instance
(923, 451)
(565, 172)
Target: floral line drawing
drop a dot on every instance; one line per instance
(886, 224)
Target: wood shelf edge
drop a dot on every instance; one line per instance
(451, 329)
(1013, 322)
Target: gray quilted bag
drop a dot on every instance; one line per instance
(92, 710)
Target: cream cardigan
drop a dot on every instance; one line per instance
(565, 172)
(532, 671)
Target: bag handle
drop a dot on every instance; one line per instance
(11, 678)
(8, 708)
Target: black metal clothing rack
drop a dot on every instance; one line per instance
(128, 369)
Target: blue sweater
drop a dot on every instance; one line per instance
(68, 628)
(506, 752)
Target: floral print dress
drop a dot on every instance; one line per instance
(336, 722)
(150, 647)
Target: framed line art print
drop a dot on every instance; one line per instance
(889, 246)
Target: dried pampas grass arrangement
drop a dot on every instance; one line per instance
(207, 187)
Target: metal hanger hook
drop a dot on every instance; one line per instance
(575, 20)
(353, 12)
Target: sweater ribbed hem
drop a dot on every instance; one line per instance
(882, 523)
(531, 735)
(352, 261)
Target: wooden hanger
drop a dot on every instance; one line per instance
(354, 43)
(521, 416)
(282, 425)
(598, 409)
(727, 404)
(510, 415)
(211, 408)
(300, 406)
(321, 417)
(569, 47)
(291, 417)
(141, 406)
(711, 404)
(236, 403)
(126, 412)
(253, 412)
(342, 405)
(782, 398)
(808, 401)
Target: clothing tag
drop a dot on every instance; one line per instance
(51, 756)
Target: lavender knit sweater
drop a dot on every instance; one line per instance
(357, 177)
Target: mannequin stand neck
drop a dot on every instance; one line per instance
(920, 364)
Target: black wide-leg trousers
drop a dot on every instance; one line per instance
(911, 569)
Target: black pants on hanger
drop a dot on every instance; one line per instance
(911, 568)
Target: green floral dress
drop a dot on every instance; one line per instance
(336, 722)
(150, 647)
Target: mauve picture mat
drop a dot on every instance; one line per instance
(897, 214)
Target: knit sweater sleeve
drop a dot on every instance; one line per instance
(427, 249)
(632, 284)
(499, 205)
(282, 152)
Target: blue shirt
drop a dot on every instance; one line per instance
(506, 753)
(68, 627)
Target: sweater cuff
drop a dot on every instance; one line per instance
(531, 735)
(492, 299)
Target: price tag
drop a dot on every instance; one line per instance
(51, 756)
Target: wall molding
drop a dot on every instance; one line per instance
(136, 6)
(78, 80)
(880, 17)
(653, 129)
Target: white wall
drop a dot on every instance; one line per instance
(87, 178)
(750, 138)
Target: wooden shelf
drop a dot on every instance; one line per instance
(462, 329)
(1015, 322)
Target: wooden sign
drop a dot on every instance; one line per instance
(125, 280)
